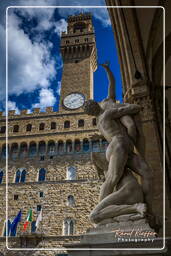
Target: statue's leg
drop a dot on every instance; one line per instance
(117, 155)
(112, 211)
(137, 164)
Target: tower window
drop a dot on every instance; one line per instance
(53, 125)
(28, 128)
(67, 124)
(41, 126)
(2, 129)
(1, 176)
(42, 174)
(15, 197)
(39, 207)
(68, 227)
(94, 122)
(20, 175)
(70, 201)
(76, 40)
(16, 128)
(41, 194)
(67, 41)
(81, 123)
(71, 173)
(86, 39)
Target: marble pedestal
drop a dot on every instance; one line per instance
(119, 238)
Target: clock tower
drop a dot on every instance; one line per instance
(78, 48)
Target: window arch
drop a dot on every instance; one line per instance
(28, 127)
(77, 146)
(51, 147)
(70, 200)
(41, 126)
(42, 174)
(23, 149)
(16, 128)
(3, 129)
(1, 176)
(14, 150)
(53, 125)
(71, 173)
(4, 148)
(68, 227)
(68, 146)
(86, 145)
(42, 148)
(17, 176)
(32, 149)
(81, 123)
(60, 147)
(23, 176)
(94, 122)
(67, 124)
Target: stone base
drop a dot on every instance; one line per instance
(119, 238)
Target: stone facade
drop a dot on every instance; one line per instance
(54, 142)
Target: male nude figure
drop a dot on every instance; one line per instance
(117, 126)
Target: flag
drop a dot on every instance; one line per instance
(7, 229)
(29, 219)
(14, 224)
(39, 218)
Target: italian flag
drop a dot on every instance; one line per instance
(29, 219)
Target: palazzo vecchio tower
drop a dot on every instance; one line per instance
(49, 154)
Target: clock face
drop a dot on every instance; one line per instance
(74, 100)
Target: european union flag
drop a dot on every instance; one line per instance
(15, 223)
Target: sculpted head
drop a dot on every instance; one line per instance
(92, 108)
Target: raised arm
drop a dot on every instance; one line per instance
(111, 86)
(127, 109)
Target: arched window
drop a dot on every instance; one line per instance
(42, 148)
(14, 150)
(29, 127)
(3, 129)
(42, 174)
(81, 123)
(94, 122)
(3, 151)
(86, 145)
(33, 226)
(16, 128)
(67, 124)
(68, 227)
(23, 176)
(32, 149)
(23, 149)
(53, 125)
(95, 145)
(41, 126)
(51, 147)
(71, 200)
(71, 173)
(68, 146)
(77, 146)
(60, 147)
(17, 176)
(1, 175)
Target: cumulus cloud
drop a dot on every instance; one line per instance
(30, 63)
(46, 99)
(12, 106)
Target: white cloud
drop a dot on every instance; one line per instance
(30, 63)
(59, 88)
(46, 99)
(12, 106)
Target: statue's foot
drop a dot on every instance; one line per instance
(141, 209)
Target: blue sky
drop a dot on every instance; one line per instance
(35, 64)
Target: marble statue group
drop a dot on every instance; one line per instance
(121, 194)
